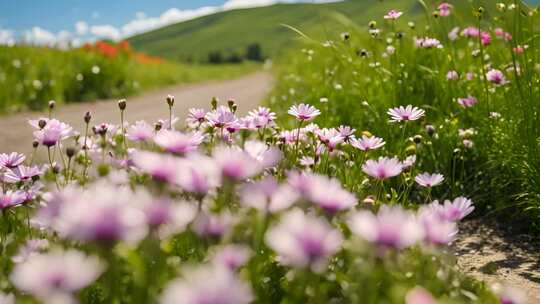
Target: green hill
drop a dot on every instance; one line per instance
(231, 32)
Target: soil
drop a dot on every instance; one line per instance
(497, 253)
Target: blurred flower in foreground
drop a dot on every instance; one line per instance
(391, 227)
(208, 284)
(11, 160)
(302, 240)
(509, 295)
(56, 275)
(419, 295)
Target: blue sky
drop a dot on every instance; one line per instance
(61, 22)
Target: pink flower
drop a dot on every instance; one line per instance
(221, 118)
(457, 209)
(330, 137)
(235, 163)
(393, 15)
(198, 174)
(429, 180)
(302, 240)
(11, 199)
(11, 160)
(444, 9)
(104, 213)
(419, 295)
(304, 112)
(262, 117)
(56, 275)
(428, 43)
(232, 256)
(208, 284)
(196, 117)
(500, 33)
(140, 131)
(452, 75)
(346, 132)
(30, 248)
(329, 195)
(21, 174)
(510, 295)
(52, 133)
(437, 230)
(164, 168)
(392, 227)
(367, 143)
(467, 102)
(405, 113)
(177, 142)
(212, 225)
(383, 168)
(268, 195)
(496, 77)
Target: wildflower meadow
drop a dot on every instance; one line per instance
(348, 185)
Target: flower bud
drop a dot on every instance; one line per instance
(35, 144)
(42, 123)
(71, 151)
(157, 126)
(170, 100)
(372, 24)
(122, 103)
(214, 103)
(87, 117)
(52, 104)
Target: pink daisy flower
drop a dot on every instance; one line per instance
(196, 117)
(304, 112)
(393, 15)
(11, 160)
(429, 180)
(52, 133)
(444, 9)
(383, 168)
(467, 102)
(302, 240)
(428, 43)
(329, 195)
(452, 75)
(209, 284)
(177, 142)
(391, 227)
(496, 77)
(407, 113)
(11, 199)
(221, 118)
(367, 143)
(140, 131)
(235, 163)
(56, 275)
(21, 174)
(164, 168)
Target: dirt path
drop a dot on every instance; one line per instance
(496, 254)
(248, 91)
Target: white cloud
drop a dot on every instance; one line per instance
(6, 37)
(105, 31)
(170, 16)
(235, 4)
(39, 36)
(81, 28)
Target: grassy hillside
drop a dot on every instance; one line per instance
(232, 31)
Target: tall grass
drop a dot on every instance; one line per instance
(31, 76)
(361, 80)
